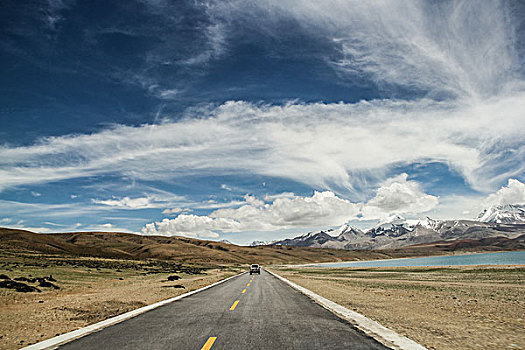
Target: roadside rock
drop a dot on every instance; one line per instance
(176, 286)
(18, 286)
(44, 283)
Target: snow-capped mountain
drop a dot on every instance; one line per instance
(258, 243)
(397, 225)
(503, 214)
(393, 226)
(226, 241)
(396, 231)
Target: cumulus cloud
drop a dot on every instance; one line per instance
(513, 193)
(189, 226)
(398, 195)
(321, 210)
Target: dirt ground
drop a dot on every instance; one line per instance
(91, 290)
(440, 308)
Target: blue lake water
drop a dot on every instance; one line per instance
(507, 258)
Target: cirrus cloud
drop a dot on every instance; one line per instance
(317, 144)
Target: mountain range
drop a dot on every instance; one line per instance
(506, 221)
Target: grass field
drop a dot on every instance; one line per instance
(441, 308)
(90, 290)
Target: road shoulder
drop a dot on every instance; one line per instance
(371, 328)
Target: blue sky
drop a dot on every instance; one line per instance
(246, 120)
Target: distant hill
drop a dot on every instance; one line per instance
(132, 246)
(188, 250)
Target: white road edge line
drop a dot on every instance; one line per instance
(371, 328)
(53, 343)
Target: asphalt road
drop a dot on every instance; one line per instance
(269, 314)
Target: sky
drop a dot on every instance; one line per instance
(257, 119)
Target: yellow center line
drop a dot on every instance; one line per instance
(209, 343)
(244, 291)
(234, 305)
(248, 285)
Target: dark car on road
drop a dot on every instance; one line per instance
(255, 269)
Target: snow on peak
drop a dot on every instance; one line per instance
(398, 224)
(390, 223)
(429, 223)
(503, 214)
(395, 219)
(258, 243)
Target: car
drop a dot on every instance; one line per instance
(255, 269)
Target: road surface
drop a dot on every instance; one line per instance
(246, 312)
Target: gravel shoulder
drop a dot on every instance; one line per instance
(440, 308)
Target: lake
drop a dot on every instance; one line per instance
(506, 258)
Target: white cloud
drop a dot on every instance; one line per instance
(35, 194)
(163, 94)
(150, 201)
(107, 227)
(226, 187)
(459, 48)
(513, 193)
(5, 220)
(287, 211)
(189, 226)
(20, 225)
(271, 197)
(215, 48)
(168, 94)
(49, 223)
(212, 204)
(397, 195)
(470, 56)
(321, 210)
(317, 144)
(175, 211)
(127, 203)
(463, 53)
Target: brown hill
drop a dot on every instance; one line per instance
(132, 246)
(486, 244)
